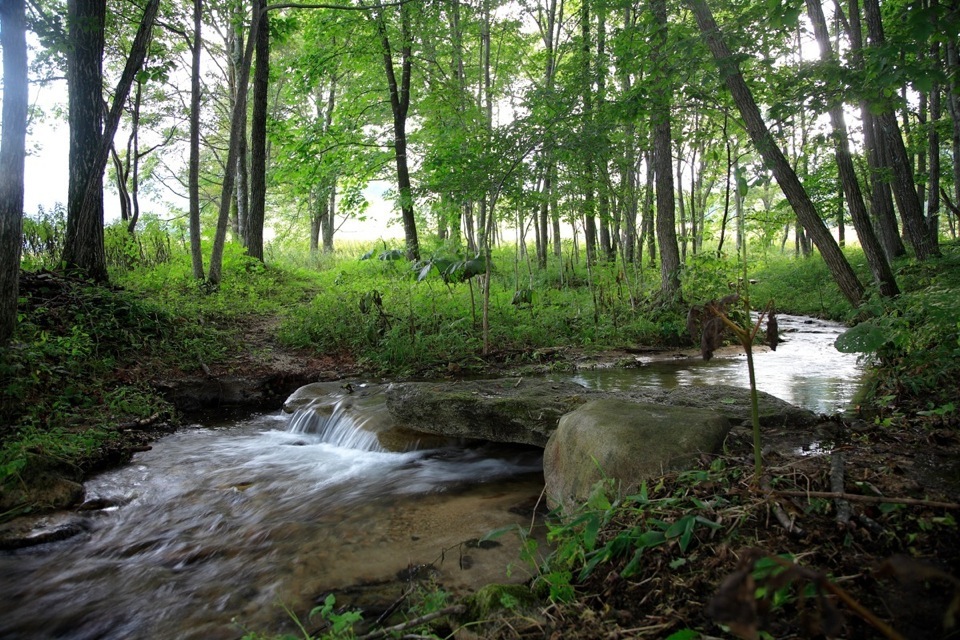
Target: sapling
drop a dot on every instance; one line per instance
(712, 337)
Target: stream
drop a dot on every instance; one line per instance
(219, 527)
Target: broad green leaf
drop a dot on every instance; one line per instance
(866, 337)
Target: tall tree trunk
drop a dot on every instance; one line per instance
(663, 160)
(933, 142)
(773, 157)
(83, 249)
(881, 198)
(586, 94)
(196, 253)
(904, 189)
(84, 237)
(134, 152)
(258, 139)
(879, 267)
(13, 42)
(400, 105)
(953, 105)
(238, 127)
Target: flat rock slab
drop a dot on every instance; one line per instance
(626, 442)
(507, 410)
(517, 410)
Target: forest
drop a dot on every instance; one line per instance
(572, 181)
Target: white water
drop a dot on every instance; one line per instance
(214, 524)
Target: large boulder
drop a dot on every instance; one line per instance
(524, 411)
(627, 442)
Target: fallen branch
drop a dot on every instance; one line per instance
(142, 422)
(837, 484)
(854, 497)
(416, 622)
(788, 523)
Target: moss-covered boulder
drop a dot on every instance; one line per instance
(627, 442)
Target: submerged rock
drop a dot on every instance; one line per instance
(626, 442)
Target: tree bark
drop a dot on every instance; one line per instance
(196, 254)
(879, 267)
(237, 130)
(904, 189)
(83, 250)
(258, 139)
(663, 161)
(773, 157)
(400, 106)
(953, 105)
(13, 42)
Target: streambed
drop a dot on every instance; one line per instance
(223, 524)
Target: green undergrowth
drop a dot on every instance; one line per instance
(402, 318)
(913, 342)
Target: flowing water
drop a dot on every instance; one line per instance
(217, 524)
(805, 370)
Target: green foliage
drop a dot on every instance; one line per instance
(803, 285)
(915, 339)
(626, 529)
(43, 238)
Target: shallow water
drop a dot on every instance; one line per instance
(805, 370)
(214, 524)
(217, 524)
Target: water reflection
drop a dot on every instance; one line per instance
(805, 370)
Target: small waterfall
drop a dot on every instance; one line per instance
(340, 428)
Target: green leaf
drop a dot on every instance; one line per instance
(685, 634)
(866, 337)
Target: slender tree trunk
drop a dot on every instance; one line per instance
(663, 161)
(953, 105)
(933, 143)
(238, 127)
(258, 139)
(904, 189)
(135, 160)
(879, 267)
(123, 174)
(13, 42)
(400, 105)
(589, 167)
(196, 253)
(773, 157)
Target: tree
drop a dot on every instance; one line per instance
(193, 179)
(84, 240)
(89, 146)
(237, 131)
(904, 189)
(253, 233)
(13, 42)
(882, 274)
(663, 161)
(400, 106)
(773, 157)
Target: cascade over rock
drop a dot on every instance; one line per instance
(626, 442)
